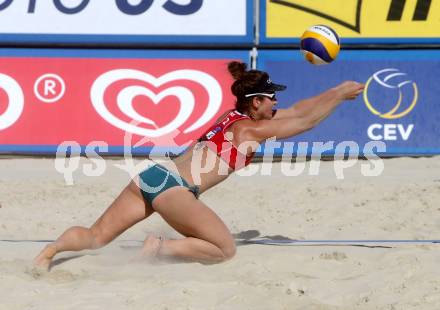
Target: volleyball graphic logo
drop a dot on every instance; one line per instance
(320, 44)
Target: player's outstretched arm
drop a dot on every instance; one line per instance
(331, 98)
(305, 114)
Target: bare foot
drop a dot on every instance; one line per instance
(151, 248)
(44, 259)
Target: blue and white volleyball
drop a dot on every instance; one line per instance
(320, 44)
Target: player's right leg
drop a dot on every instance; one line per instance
(128, 209)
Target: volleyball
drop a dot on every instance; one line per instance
(320, 44)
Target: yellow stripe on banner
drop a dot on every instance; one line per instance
(374, 19)
(332, 48)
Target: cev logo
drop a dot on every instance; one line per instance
(126, 96)
(396, 110)
(15, 101)
(381, 87)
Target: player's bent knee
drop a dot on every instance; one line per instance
(229, 251)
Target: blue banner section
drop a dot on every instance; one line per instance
(397, 114)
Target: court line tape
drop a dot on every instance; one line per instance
(348, 242)
(281, 241)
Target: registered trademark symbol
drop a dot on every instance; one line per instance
(49, 88)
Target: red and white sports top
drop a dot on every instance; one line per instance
(219, 143)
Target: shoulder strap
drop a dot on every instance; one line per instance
(233, 117)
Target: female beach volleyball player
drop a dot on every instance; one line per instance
(173, 191)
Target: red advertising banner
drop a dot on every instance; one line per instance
(45, 101)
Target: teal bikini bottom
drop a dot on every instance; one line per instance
(157, 179)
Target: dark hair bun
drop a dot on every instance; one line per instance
(237, 69)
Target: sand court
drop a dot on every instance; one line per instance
(400, 204)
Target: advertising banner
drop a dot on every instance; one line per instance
(356, 21)
(148, 100)
(399, 110)
(195, 22)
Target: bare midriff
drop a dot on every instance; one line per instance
(200, 166)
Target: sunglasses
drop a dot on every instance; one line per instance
(270, 96)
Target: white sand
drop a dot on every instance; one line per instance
(402, 203)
